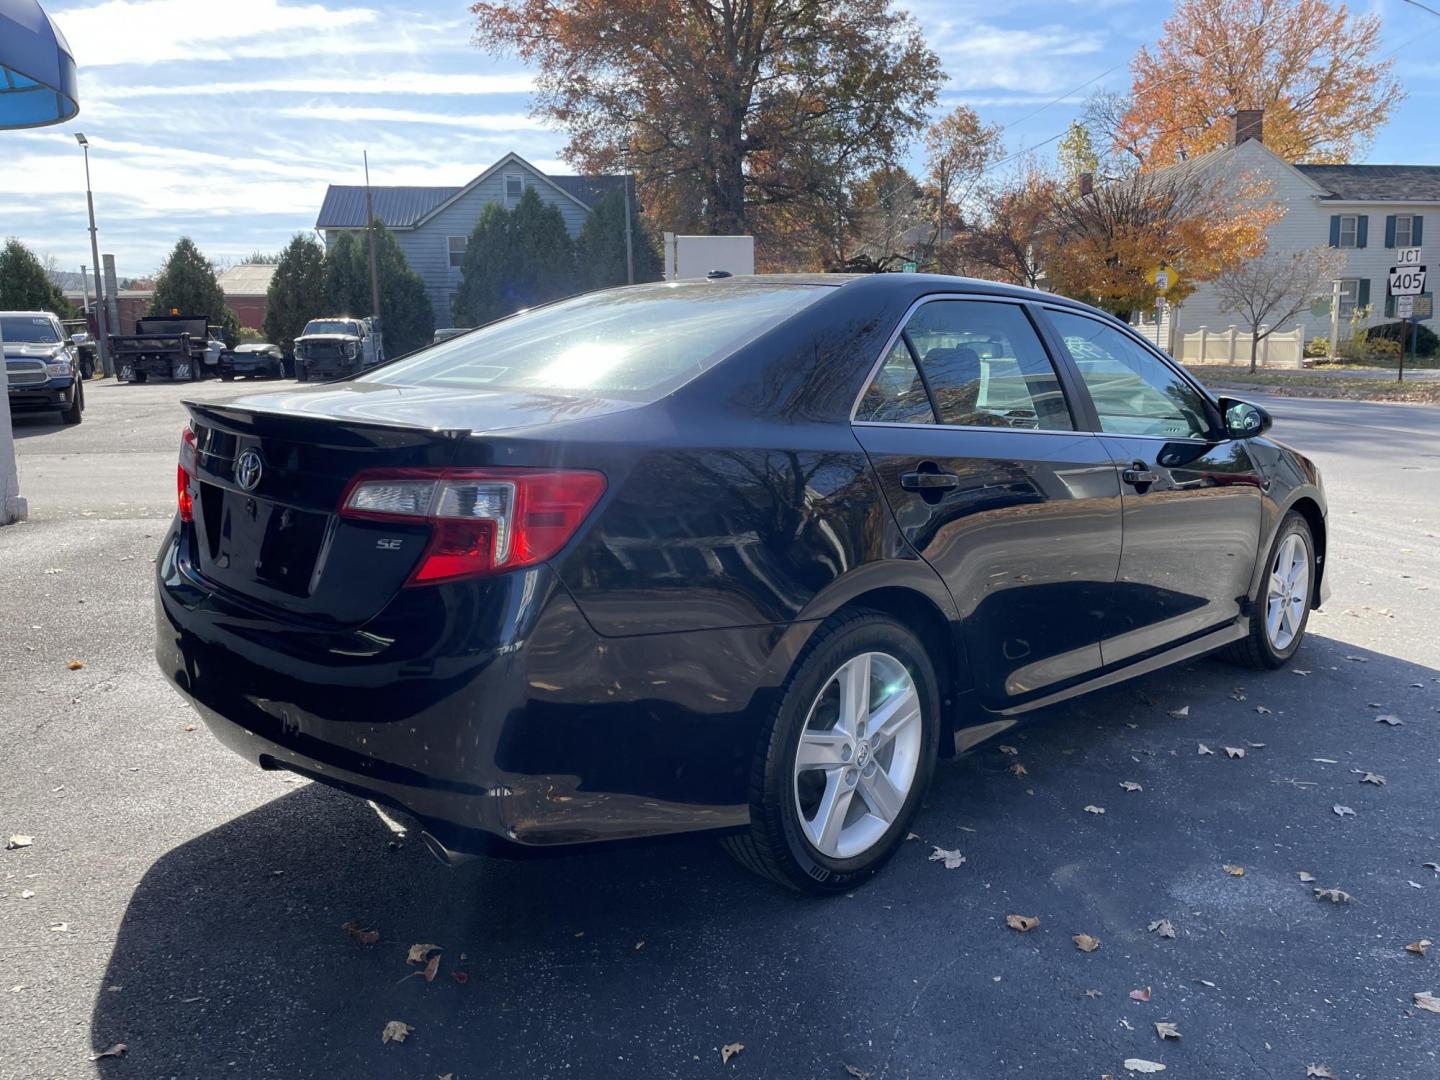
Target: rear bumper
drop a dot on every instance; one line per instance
(500, 721)
(55, 394)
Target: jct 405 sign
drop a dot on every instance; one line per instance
(1407, 280)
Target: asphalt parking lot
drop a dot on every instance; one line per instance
(180, 902)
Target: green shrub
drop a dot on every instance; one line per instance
(1426, 342)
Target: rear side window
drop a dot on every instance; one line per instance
(1135, 393)
(980, 364)
(638, 343)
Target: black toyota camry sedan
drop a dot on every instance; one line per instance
(743, 556)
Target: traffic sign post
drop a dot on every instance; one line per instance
(1407, 281)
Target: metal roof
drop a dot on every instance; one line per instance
(247, 279)
(1377, 183)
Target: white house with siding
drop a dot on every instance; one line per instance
(1366, 211)
(432, 224)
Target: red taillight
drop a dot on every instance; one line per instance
(482, 521)
(183, 474)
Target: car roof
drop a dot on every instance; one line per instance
(27, 314)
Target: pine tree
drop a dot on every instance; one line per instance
(297, 291)
(600, 248)
(347, 277)
(407, 316)
(24, 284)
(514, 259)
(186, 285)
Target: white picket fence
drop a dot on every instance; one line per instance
(1280, 349)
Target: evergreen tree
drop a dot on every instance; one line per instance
(600, 249)
(407, 316)
(297, 291)
(187, 284)
(347, 277)
(24, 284)
(515, 259)
(484, 270)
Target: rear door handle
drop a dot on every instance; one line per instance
(928, 481)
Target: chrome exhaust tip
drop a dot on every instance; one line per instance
(444, 854)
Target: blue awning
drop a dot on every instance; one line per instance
(38, 84)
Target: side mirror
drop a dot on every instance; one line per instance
(1244, 420)
(79, 339)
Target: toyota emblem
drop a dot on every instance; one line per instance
(248, 467)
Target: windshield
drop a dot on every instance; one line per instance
(27, 329)
(639, 343)
(330, 326)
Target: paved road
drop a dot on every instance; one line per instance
(189, 906)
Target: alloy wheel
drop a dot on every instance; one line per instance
(1288, 593)
(858, 756)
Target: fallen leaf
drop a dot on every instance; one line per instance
(729, 1050)
(359, 936)
(1207, 982)
(951, 858)
(1011, 750)
(1358, 659)
(1234, 751)
(75, 665)
(1140, 1065)
(461, 977)
(1166, 1030)
(1233, 871)
(1092, 993)
(419, 954)
(118, 1050)
(1262, 710)
(639, 944)
(1322, 1071)
(1143, 994)
(1201, 748)
(1086, 943)
(1342, 811)
(1256, 745)
(857, 1072)
(61, 928)
(1126, 1024)
(1419, 947)
(912, 836)
(1094, 809)
(1325, 760)
(1389, 718)
(1435, 866)
(18, 841)
(1131, 785)
(1373, 778)
(1305, 876)
(1022, 923)
(1162, 927)
(26, 894)
(1180, 713)
(1427, 1001)
(1018, 769)
(1335, 896)
(432, 968)
(395, 1031)
(1300, 671)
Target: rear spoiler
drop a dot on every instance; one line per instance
(337, 431)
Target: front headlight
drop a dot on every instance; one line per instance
(58, 369)
(350, 350)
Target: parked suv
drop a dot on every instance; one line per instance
(43, 365)
(337, 345)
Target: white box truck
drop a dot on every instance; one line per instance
(691, 257)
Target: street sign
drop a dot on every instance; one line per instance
(909, 267)
(1404, 307)
(1407, 280)
(1164, 278)
(1407, 257)
(1423, 306)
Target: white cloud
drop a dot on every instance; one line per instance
(347, 82)
(349, 114)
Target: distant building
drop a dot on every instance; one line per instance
(433, 224)
(245, 287)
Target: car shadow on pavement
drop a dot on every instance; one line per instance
(28, 425)
(645, 961)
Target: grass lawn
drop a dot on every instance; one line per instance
(1310, 384)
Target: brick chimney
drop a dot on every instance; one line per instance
(1247, 124)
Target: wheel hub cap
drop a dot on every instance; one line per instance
(858, 755)
(1288, 592)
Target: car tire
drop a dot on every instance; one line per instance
(141, 376)
(227, 376)
(302, 373)
(782, 843)
(77, 405)
(1280, 611)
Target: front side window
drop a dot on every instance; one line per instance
(456, 250)
(637, 344)
(1349, 227)
(1134, 391)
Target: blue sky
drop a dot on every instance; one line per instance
(225, 119)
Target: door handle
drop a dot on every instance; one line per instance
(1139, 475)
(928, 481)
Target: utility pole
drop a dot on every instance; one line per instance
(85, 290)
(629, 246)
(370, 233)
(101, 323)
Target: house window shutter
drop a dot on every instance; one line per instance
(1362, 226)
(1363, 296)
(1389, 305)
(1389, 230)
(1335, 230)
(1415, 230)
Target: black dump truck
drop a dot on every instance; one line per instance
(170, 346)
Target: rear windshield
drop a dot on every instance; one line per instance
(29, 329)
(637, 343)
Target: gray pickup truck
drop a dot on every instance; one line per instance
(337, 345)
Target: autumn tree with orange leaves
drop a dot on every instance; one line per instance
(1312, 66)
(725, 110)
